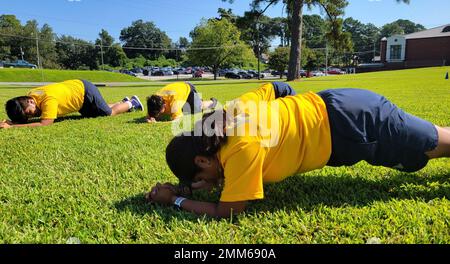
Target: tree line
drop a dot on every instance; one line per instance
(228, 40)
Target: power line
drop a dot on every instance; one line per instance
(125, 47)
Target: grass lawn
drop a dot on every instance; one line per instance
(86, 179)
(28, 75)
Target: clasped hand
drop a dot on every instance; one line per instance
(5, 124)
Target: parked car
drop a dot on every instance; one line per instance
(232, 75)
(128, 73)
(178, 71)
(197, 74)
(275, 73)
(137, 70)
(158, 73)
(317, 73)
(335, 71)
(245, 75)
(255, 74)
(168, 72)
(19, 64)
(303, 73)
(222, 72)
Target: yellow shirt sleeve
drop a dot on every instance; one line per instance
(243, 174)
(49, 108)
(175, 95)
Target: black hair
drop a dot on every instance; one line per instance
(15, 109)
(206, 140)
(154, 105)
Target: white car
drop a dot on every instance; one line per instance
(317, 73)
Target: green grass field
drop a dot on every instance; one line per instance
(86, 179)
(28, 75)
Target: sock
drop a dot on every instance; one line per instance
(130, 105)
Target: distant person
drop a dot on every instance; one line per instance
(59, 99)
(337, 127)
(173, 100)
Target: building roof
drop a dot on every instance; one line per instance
(437, 32)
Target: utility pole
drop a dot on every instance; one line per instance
(101, 52)
(326, 60)
(21, 52)
(257, 35)
(37, 50)
(258, 48)
(374, 43)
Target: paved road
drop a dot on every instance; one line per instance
(151, 79)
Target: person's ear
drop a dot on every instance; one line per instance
(202, 162)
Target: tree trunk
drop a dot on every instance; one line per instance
(296, 41)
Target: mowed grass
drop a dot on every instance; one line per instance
(85, 179)
(29, 75)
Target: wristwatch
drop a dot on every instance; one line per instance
(178, 201)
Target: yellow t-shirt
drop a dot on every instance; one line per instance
(248, 101)
(59, 99)
(299, 141)
(265, 92)
(174, 96)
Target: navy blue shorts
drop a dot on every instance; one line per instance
(194, 102)
(366, 126)
(282, 89)
(94, 105)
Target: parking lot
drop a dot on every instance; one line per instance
(205, 75)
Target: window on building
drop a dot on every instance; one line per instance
(396, 52)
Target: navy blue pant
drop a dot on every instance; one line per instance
(282, 89)
(93, 105)
(366, 126)
(194, 102)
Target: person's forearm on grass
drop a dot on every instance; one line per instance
(220, 210)
(43, 122)
(166, 195)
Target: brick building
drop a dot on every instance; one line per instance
(421, 49)
(427, 48)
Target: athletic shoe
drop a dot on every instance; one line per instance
(125, 99)
(136, 103)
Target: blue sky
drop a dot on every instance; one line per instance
(85, 18)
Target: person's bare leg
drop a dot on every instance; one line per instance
(443, 148)
(119, 108)
(112, 105)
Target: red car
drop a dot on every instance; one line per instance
(335, 71)
(197, 74)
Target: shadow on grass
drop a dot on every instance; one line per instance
(136, 204)
(310, 191)
(139, 206)
(71, 117)
(139, 120)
